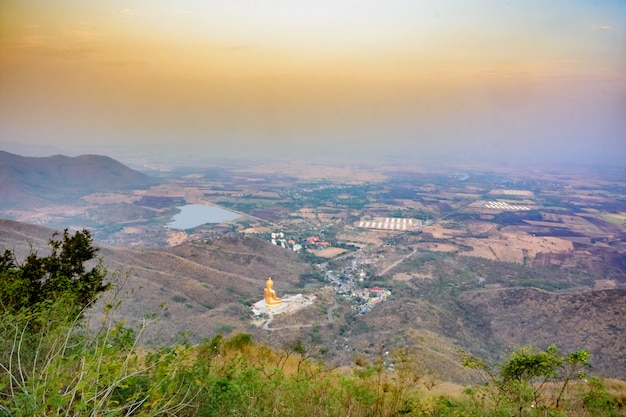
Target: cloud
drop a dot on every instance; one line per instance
(600, 27)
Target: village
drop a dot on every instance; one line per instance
(347, 283)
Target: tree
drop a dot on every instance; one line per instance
(61, 275)
(523, 378)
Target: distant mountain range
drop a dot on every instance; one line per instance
(30, 181)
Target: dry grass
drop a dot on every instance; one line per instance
(505, 246)
(307, 213)
(616, 389)
(330, 252)
(113, 198)
(439, 231)
(515, 247)
(591, 320)
(436, 247)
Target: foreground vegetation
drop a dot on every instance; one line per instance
(57, 357)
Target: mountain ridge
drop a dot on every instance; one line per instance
(27, 181)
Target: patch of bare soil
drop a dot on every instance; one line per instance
(307, 213)
(515, 247)
(604, 284)
(330, 252)
(363, 236)
(332, 217)
(114, 198)
(440, 232)
(478, 228)
(176, 237)
(402, 276)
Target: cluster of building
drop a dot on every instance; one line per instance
(341, 283)
(347, 283)
(313, 242)
(278, 239)
(372, 296)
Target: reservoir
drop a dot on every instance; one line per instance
(193, 215)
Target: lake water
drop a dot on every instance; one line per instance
(193, 215)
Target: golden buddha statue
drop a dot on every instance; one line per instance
(270, 295)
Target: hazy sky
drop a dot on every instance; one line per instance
(422, 78)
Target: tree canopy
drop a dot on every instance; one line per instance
(62, 274)
(524, 378)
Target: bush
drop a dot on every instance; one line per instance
(61, 275)
(64, 369)
(529, 378)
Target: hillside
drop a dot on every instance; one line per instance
(31, 181)
(205, 287)
(591, 319)
(489, 307)
(23, 237)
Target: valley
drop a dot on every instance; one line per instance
(431, 258)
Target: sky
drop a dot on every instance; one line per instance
(491, 80)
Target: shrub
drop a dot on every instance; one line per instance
(61, 275)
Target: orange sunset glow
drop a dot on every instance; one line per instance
(276, 75)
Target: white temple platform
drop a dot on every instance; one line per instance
(260, 307)
(289, 303)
